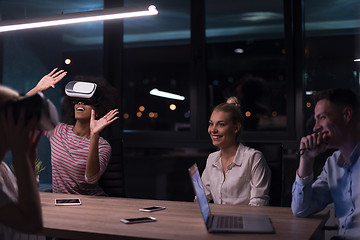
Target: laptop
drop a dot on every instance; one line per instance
(227, 223)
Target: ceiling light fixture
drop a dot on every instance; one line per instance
(239, 50)
(79, 17)
(159, 93)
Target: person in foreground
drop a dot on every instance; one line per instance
(235, 174)
(79, 156)
(20, 208)
(336, 122)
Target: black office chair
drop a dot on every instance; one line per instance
(113, 179)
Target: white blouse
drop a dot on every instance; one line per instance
(246, 180)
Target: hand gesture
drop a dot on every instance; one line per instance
(96, 126)
(19, 136)
(312, 145)
(49, 80)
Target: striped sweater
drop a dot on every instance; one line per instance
(69, 153)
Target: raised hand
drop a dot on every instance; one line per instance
(20, 137)
(17, 133)
(21, 140)
(96, 126)
(48, 81)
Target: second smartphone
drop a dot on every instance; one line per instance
(152, 209)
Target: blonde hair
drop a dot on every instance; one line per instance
(7, 94)
(232, 106)
(233, 100)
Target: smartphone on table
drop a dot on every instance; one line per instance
(138, 220)
(152, 209)
(67, 201)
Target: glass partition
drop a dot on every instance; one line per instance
(331, 49)
(246, 59)
(157, 60)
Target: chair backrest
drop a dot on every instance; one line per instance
(273, 153)
(113, 180)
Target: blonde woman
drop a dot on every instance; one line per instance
(235, 174)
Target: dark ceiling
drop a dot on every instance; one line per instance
(257, 18)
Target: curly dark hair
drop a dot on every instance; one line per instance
(105, 97)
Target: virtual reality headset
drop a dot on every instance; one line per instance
(80, 89)
(35, 105)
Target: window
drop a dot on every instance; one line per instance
(331, 30)
(247, 59)
(30, 54)
(157, 58)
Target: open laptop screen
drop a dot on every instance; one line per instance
(199, 191)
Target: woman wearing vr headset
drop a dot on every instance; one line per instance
(79, 156)
(20, 208)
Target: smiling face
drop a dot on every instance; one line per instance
(330, 121)
(83, 109)
(223, 131)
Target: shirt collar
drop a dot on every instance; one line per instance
(354, 156)
(237, 160)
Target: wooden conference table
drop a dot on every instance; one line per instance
(99, 218)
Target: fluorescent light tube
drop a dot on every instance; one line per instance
(159, 93)
(79, 17)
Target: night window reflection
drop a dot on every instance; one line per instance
(262, 104)
(247, 62)
(157, 59)
(250, 91)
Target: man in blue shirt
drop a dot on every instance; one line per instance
(336, 126)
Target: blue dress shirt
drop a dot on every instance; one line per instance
(336, 184)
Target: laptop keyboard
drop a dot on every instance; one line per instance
(229, 221)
